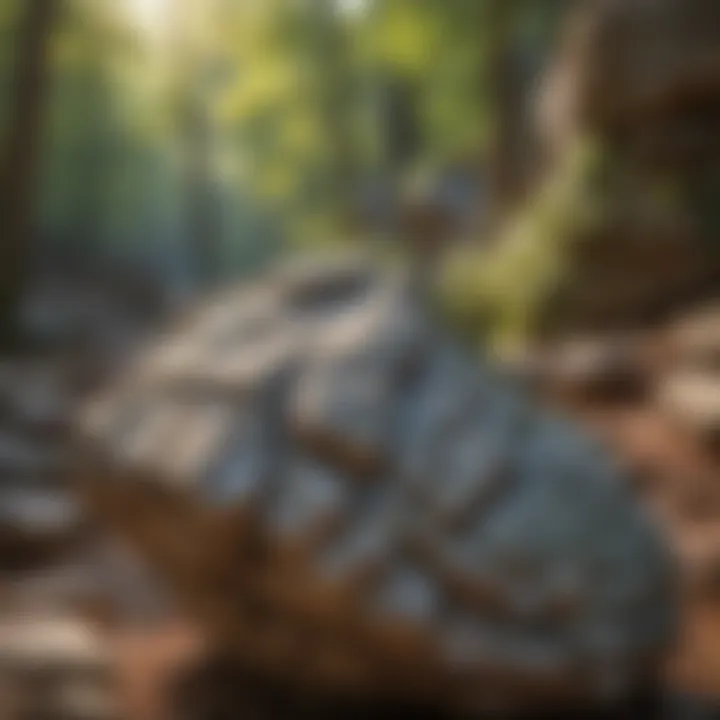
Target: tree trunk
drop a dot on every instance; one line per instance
(19, 164)
(195, 139)
(508, 107)
(331, 68)
(202, 208)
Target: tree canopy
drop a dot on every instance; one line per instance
(198, 137)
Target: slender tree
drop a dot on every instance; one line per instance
(507, 96)
(19, 163)
(195, 135)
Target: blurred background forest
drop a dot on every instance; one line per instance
(184, 142)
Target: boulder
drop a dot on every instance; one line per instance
(350, 503)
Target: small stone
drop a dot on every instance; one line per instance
(35, 393)
(38, 511)
(604, 368)
(692, 399)
(696, 340)
(22, 455)
(62, 645)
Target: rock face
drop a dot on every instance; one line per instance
(631, 60)
(641, 77)
(348, 502)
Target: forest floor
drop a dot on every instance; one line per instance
(112, 615)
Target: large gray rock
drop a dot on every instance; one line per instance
(350, 502)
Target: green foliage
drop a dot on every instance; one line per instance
(272, 109)
(501, 293)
